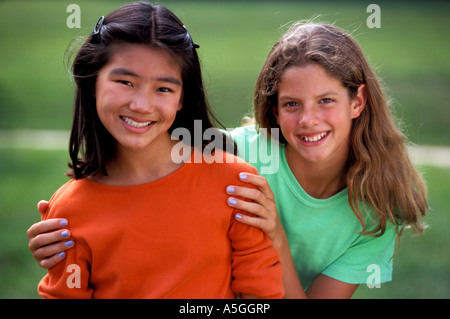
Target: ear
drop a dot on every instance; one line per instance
(275, 113)
(359, 102)
(180, 104)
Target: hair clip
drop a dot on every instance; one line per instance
(98, 26)
(194, 45)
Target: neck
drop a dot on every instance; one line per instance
(319, 179)
(134, 167)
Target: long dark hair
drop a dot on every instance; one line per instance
(91, 145)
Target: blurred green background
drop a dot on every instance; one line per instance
(409, 52)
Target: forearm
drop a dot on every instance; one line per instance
(323, 287)
(292, 285)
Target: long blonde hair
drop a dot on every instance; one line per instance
(379, 170)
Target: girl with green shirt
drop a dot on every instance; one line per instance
(336, 185)
(342, 185)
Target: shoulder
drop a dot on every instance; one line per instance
(258, 147)
(67, 189)
(226, 162)
(65, 196)
(243, 132)
(75, 185)
(222, 163)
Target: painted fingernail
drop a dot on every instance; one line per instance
(62, 254)
(68, 243)
(243, 176)
(65, 234)
(232, 201)
(238, 216)
(230, 190)
(63, 222)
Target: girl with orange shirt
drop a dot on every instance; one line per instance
(137, 79)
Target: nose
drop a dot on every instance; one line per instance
(142, 102)
(308, 117)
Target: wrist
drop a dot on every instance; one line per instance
(280, 241)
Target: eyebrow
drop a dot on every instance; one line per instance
(288, 97)
(124, 71)
(169, 79)
(327, 93)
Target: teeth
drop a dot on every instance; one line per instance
(133, 123)
(314, 138)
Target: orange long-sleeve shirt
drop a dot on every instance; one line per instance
(172, 238)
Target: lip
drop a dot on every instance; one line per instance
(132, 124)
(313, 139)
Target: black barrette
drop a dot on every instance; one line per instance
(194, 45)
(98, 26)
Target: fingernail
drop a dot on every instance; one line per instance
(232, 201)
(68, 243)
(238, 216)
(62, 254)
(243, 176)
(65, 234)
(63, 222)
(230, 190)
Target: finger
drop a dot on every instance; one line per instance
(42, 206)
(252, 221)
(46, 226)
(260, 223)
(52, 261)
(49, 251)
(258, 181)
(254, 195)
(247, 193)
(250, 207)
(45, 239)
(48, 263)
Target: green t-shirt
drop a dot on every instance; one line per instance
(322, 233)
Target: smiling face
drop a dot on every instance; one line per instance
(315, 113)
(138, 93)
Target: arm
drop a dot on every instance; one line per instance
(256, 267)
(48, 239)
(67, 279)
(267, 219)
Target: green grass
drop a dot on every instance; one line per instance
(410, 53)
(27, 177)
